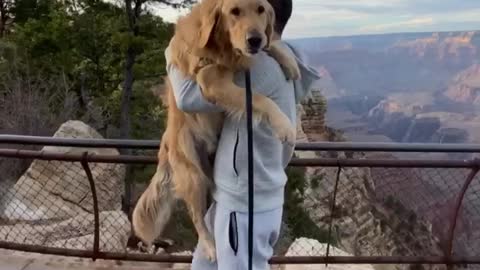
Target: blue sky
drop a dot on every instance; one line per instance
(313, 18)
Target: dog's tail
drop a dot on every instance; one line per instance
(154, 207)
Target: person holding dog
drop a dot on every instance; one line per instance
(227, 217)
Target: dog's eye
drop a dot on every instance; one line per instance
(261, 9)
(235, 11)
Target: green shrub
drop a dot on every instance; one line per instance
(296, 217)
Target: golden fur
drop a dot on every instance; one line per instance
(209, 45)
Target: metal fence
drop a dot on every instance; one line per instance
(381, 210)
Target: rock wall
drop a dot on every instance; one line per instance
(363, 224)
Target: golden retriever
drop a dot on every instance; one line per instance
(216, 39)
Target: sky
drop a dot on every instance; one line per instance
(319, 18)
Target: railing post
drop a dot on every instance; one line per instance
(332, 213)
(96, 235)
(458, 205)
(127, 194)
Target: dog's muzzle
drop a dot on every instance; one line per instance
(254, 41)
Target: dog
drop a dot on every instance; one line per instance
(216, 39)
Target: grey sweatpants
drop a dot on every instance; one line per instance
(230, 230)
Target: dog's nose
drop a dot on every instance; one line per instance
(254, 40)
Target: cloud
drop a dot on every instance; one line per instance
(365, 6)
(400, 25)
(313, 18)
(412, 7)
(353, 17)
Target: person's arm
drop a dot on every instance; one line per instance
(187, 93)
(309, 76)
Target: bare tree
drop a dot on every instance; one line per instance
(6, 7)
(133, 10)
(30, 104)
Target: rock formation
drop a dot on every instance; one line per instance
(73, 233)
(441, 48)
(51, 204)
(312, 115)
(465, 87)
(365, 223)
(57, 189)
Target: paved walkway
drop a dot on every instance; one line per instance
(13, 260)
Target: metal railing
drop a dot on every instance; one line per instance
(405, 171)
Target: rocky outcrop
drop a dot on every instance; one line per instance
(410, 120)
(464, 93)
(57, 189)
(421, 130)
(72, 233)
(450, 135)
(312, 116)
(301, 136)
(52, 205)
(385, 107)
(465, 87)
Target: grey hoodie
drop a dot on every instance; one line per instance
(271, 157)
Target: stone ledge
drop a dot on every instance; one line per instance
(16, 260)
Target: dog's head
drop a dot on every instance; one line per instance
(247, 25)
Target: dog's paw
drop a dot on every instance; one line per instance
(283, 129)
(208, 248)
(287, 62)
(291, 69)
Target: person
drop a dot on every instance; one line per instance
(227, 216)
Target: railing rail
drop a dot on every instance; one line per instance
(297, 162)
(316, 146)
(84, 158)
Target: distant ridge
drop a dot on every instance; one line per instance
(381, 34)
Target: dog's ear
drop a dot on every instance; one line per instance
(269, 31)
(208, 21)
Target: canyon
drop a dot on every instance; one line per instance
(412, 87)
